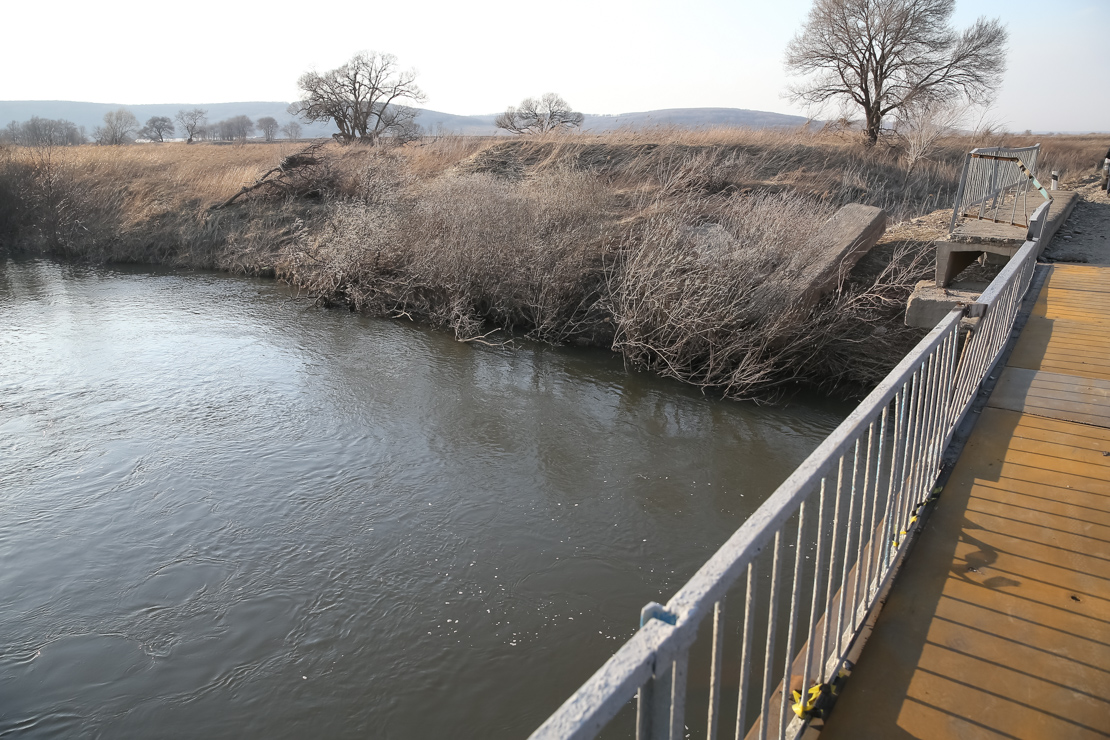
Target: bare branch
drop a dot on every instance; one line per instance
(549, 113)
(363, 98)
(890, 55)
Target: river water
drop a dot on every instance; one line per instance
(224, 513)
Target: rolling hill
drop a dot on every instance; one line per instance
(91, 115)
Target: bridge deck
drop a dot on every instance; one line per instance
(998, 626)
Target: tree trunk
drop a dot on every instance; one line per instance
(874, 122)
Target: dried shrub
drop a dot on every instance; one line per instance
(716, 303)
(466, 252)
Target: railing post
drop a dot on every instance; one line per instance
(661, 702)
(715, 670)
(960, 194)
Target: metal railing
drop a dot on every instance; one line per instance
(993, 181)
(812, 561)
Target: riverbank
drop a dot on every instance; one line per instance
(680, 250)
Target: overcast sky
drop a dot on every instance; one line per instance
(603, 56)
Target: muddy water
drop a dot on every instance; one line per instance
(226, 514)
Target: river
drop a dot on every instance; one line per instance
(227, 514)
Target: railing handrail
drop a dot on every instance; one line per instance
(778, 506)
(931, 390)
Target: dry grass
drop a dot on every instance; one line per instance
(141, 203)
(678, 248)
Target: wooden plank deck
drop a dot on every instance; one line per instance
(998, 625)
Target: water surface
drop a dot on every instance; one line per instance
(224, 513)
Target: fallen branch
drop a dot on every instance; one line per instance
(288, 166)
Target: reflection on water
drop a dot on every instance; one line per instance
(224, 514)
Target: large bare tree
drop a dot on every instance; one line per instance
(364, 98)
(549, 113)
(119, 128)
(192, 120)
(888, 55)
(269, 127)
(157, 128)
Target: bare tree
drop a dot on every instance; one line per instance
(363, 97)
(192, 121)
(887, 55)
(119, 128)
(292, 130)
(269, 127)
(533, 116)
(156, 129)
(236, 128)
(922, 125)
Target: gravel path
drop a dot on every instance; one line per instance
(1085, 238)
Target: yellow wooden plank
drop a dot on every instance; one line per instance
(1055, 395)
(999, 624)
(1064, 347)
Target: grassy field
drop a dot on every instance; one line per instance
(676, 248)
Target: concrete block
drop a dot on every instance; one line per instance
(953, 257)
(842, 240)
(929, 304)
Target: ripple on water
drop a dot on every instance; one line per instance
(225, 514)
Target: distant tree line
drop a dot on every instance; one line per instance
(44, 132)
(122, 127)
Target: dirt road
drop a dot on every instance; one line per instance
(1085, 238)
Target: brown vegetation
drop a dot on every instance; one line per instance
(681, 250)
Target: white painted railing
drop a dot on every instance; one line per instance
(993, 181)
(809, 565)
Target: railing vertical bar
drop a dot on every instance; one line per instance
(845, 565)
(645, 700)
(867, 480)
(916, 468)
(662, 693)
(876, 544)
(859, 494)
(979, 342)
(818, 564)
(745, 655)
(831, 591)
(923, 454)
(678, 697)
(944, 386)
(792, 625)
(936, 401)
(908, 440)
(769, 655)
(892, 491)
(950, 358)
(908, 459)
(716, 668)
(944, 395)
(960, 193)
(955, 407)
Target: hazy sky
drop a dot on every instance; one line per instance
(603, 56)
